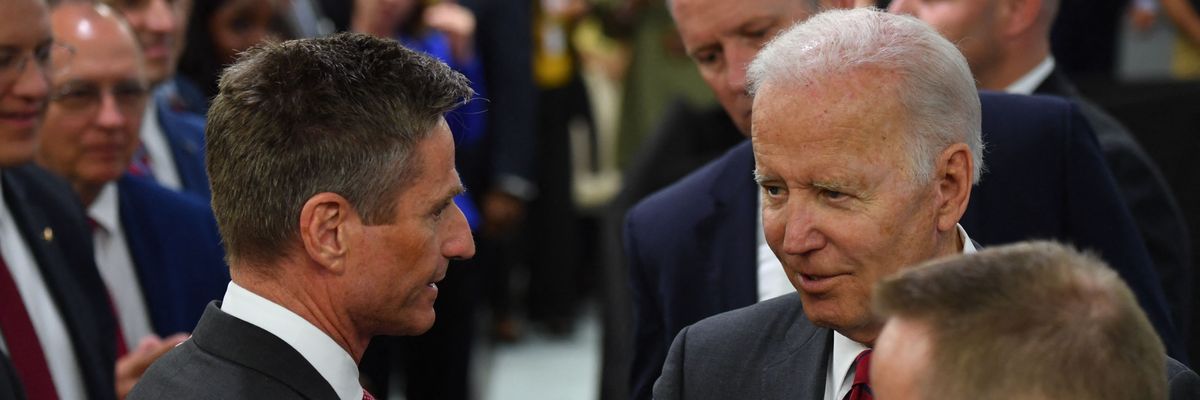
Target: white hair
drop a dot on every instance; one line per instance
(935, 85)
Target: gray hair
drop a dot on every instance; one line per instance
(340, 114)
(936, 87)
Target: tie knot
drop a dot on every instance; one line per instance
(862, 368)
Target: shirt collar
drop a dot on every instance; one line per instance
(1029, 83)
(104, 210)
(846, 350)
(968, 245)
(326, 356)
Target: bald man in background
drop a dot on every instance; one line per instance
(158, 251)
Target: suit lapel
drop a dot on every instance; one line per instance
(793, 374)
(732, 226)
(77, 290)
(243, 343)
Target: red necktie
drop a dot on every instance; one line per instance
(367, 395)
(23, 345)
(861, 389)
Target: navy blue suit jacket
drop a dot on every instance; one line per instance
(185, 136)
(691, 246)
(51, 222)
(176, 250)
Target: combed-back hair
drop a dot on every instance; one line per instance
(337, 114)
(935, 85)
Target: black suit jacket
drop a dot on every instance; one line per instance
(771, 351)
(51, 220)
(1157, 214)
(10, 385)
(227, 358)
(691, 246)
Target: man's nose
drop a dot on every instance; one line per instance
(738, 58)
(801, 234)
(461, 244)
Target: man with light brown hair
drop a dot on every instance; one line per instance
(333, 179)
(1034, 320)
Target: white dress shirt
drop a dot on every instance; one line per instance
(326, 356)
(117, 268)
(154, 141)
(1032, 79)
(840, 376)
(47, 323)
(772, 281)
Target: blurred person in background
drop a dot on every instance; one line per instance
(436, 365)
(157, 250)
(1007, 45)
(172, 150)
(1185, 62)
(57, 332)
(217, 31)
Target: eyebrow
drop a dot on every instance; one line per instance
(454, 192)
(759, 178)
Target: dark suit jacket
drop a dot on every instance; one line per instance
(185, 135)
(42, 203)
(177, 252)
(771, 351)
(1150, 199)
(10, 385)
(227, 358)
(691, 246)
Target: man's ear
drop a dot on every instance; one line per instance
(955, 176)
(1018, 16)
(326, 221)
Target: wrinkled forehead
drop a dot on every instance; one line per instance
(862, 100)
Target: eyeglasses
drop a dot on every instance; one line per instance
(86, 97)
(13, 60)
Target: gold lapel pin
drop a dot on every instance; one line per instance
(48, 234)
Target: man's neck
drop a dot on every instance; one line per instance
(305, 302)
(1017, 63)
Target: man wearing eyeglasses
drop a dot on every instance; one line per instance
(56, 327)
(157, 250)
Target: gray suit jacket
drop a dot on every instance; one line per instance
(765, 351)
(771, 351)
(227, 358)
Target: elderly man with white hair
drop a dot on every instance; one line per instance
(866, 133)
(866, 136)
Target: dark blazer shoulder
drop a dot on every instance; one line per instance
(746, 353)
(711, 180)
(753, 323)
(1182, 382)
(227, 358)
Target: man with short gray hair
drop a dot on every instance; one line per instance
(861, 177)
(332, 172)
